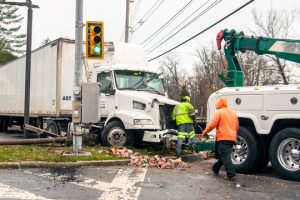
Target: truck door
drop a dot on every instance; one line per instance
(107, 100)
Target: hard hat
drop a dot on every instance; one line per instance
(186, 98)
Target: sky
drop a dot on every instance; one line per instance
(56, 18)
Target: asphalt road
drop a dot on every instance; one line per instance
(12, 133)
(109, 183)
(139, 183)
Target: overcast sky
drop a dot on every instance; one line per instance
(56, 18)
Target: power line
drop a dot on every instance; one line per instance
(137, 5)
(168, 22)
(149, 13)
(222, 19)
(186, 25)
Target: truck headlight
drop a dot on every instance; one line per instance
(142, 122)
(139, 105)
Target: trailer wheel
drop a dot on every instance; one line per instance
(1, 124)
(53, 127)
(285, 154)
(114, 134)
(244, 154)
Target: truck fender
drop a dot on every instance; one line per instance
(127, 117)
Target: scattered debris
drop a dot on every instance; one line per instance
(158, 162)
(146, 161)
(206, 155)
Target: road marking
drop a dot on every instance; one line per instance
(8, 192)
(122, 187)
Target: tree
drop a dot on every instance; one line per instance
(6, 57)
(45, 41)
(10, 23)
(275, 25)
(205, 81)
(169, 66)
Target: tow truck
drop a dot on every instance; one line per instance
(269, 116)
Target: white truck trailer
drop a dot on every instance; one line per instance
(131, 104)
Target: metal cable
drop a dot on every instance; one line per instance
(222, 19)
(186, 25)
(166, 24)
(151, 11)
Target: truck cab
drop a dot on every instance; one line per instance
(133, 102)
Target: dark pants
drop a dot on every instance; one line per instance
(224, 158)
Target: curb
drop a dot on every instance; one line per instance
(41, 164)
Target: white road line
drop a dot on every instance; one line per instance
(8, 192)
(122, 187)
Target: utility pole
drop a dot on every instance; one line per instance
(76, 119)
(28, 67)
(28, 57)
(127, 21)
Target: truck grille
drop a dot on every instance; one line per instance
(166, 121)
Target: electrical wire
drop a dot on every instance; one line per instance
(166, 24)
(157, 4)
(186, 25)
(201, 32)
(131, 19)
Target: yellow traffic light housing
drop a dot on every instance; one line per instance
(94, 40)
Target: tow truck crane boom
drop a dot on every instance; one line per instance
(234, 42)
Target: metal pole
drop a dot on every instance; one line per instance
(78, 50)
(28, 67)
(77, 137)
(127, 21)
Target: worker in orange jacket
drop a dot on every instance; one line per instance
(226, 123)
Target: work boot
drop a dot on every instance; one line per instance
(215, 173)
(233, 178)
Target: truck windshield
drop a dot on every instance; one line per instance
(137, 80)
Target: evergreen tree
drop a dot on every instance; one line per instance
(10, 23)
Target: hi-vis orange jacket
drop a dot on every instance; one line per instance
(225, 121)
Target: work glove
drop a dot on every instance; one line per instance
(195, 123)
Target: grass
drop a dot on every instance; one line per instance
(14, 153)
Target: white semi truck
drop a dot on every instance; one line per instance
(269, 116)
(131, 102)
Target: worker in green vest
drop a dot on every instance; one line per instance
(184, 114)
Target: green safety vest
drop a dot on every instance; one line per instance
(182, 113)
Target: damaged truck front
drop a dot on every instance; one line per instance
(133, 102)
(130, 105)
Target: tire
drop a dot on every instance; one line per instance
(249, 155)
(5, 124)
(114, 134)
(53, 127)
(1, 124)
(284, 154)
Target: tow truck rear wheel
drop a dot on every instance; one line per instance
(285, 154)
(249, 154)
(114, 134)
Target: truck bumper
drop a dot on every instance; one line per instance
(159, 136)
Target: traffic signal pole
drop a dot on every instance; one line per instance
(76, 119)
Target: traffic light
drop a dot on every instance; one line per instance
(94, 40)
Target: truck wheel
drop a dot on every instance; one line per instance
(285, 153)
(53, 127)
(1, 125)
(114, 134)
(245, 154)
